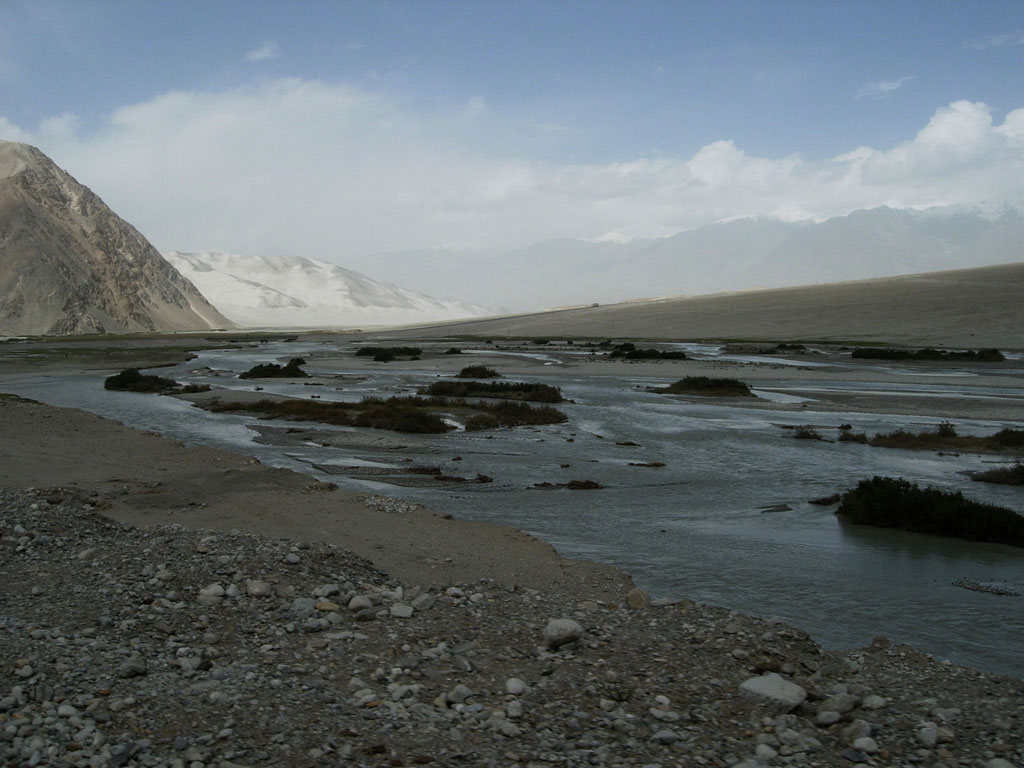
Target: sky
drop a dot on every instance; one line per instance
(343, 130)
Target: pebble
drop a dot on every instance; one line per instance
(559, 632)
(771, 689)
(117, 667)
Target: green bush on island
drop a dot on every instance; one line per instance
(806, 432)
(512, 414)
(131, 380)
(478, 372)
(387, 354)
(537, 393)
(708, 386)
(889, 502)
(400, 414)
(275, 371)
(945, 437)
(1012, 475)
(969, 356)
(629, 351)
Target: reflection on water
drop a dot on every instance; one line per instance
(694, 527)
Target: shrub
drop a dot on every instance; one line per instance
(478, 372)
(537, 393)
(897, 503)
(1013, 475)
(630, 352)
(191, 389)
(393, 351)
(512, 414)
(453, 351)
(704, 385)
(852, 437)
(583, 485)
(275, 371)
(130, 380)
(969, 356)
(805, 432)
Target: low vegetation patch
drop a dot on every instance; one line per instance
(945, 437)
(805, 432)
(707, 386)
(478, 372)
(889, 502)
(387, 354)
(535, 393)
(130, 380)
(848, 436)
(399, 414)
(511, 414)
(969, 356)
(1012, 475)
(629, 351)
(453, 351)
(275, 371)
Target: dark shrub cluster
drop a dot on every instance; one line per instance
(890, 502)
(387, 354)
(629, 351)
(704, 385)
(968, 356)
(400, 414)
(1012, 475)
(130, 380)
(945, 436)
(275, 371)
(537, 393)
(512, 414)
(453, 351)
(478, 372)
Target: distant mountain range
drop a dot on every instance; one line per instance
(68, 264)
(730, 256)
(294, 292)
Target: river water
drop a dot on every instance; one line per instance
(726, 520)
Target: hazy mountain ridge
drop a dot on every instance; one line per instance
(278, 291)
(729, 256)
(68, 264)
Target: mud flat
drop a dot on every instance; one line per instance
(165, 606)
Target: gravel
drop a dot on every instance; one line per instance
(167, 647)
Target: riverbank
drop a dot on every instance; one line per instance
(288, 646)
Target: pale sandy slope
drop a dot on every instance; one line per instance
(982, 307)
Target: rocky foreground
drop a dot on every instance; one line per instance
(170, 647)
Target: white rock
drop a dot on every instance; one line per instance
(559, 632)
(865, 744)
(772, 689)
(359, 603)
(927, 735)
(401, 611)
(515, 686)
(257, 588)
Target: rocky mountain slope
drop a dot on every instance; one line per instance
(279, 291)
(69, 265)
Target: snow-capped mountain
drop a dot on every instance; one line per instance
(276, 291)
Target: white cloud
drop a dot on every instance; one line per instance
(997, 41)
(882, 88)
(335, 172)
(269, 50)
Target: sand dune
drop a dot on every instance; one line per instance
(982, 307)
